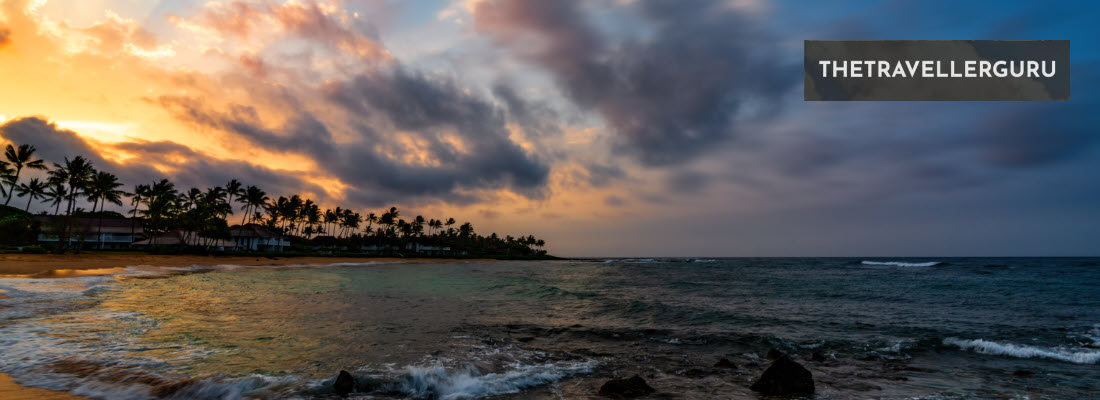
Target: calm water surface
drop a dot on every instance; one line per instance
(891, 328)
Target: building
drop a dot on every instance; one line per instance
(179, 237)
(418, 248)
(113, 233)
(257, 237)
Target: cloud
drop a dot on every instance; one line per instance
(405, 136)
(5, 36)
(189, 168)
(668, 97)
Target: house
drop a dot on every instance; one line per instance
(179, 237)
(257, 237)
(428, 249)
(115, 233)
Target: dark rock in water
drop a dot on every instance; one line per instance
(784, 377)
(1023, 373)
(725, 363)
(344, 384)
(526, 339)
(817, 356)
(774, 354)
(625, 388)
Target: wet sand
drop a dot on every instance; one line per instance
(9, 390)
(57, 266)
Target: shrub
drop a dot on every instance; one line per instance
(18, 230)
(34, 249)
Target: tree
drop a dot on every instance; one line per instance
(141, 192)
(21, 157)
(75, 174)
(103, 189)
(34, 190)
(6, 174)
(56, 194)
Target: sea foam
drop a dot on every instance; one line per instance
(1022, 351)
(438, 383)
(902, 263)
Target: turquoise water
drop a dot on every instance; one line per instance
(906, 328)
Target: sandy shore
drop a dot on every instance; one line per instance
(53, 265)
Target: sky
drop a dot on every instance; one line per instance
(606, 127)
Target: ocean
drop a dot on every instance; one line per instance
(891, 328)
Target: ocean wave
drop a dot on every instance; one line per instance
(902, 263)
(437, 382)
(1022, 351)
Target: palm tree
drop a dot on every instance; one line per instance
(234, 189)
(75, 174)
(161, 201)
(34, 190)
(21, 157)
(103, 189)
(6, 174)
(141, 192)
(56, 194)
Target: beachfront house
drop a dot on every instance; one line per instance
(258, 238)
(91, 233)
(179, 237)
(428, 250)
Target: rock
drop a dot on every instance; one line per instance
(784, 377)
(1022, 373)
(344, 383)
(774, 354)
(625, 388)
(526, 339)
(725, 363)
(817, 356)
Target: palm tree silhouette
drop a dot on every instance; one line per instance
(34, 189)
(103, 189)
(56, 194)
(75, 174)
(21, 157)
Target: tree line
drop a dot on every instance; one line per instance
(163, 208)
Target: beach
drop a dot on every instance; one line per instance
(62, 265)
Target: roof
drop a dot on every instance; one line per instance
(92, 225)
(254, 230)
(181, 237)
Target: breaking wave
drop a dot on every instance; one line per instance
(902, 263)
(438, 383)
(1021, 351)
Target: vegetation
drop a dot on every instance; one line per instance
(206, 213)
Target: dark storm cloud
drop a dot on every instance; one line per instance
(600, 175)
(536, 118)
(197, 170)
(421, 107)
(687, 182)
(1039, 134)
(668, 97)
(55, 145)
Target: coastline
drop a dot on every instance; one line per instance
(64, 265)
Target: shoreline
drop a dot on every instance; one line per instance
(68, 265)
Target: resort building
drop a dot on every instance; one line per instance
(258, 238)
(428, 250)
(180, 237)
(91, 233)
